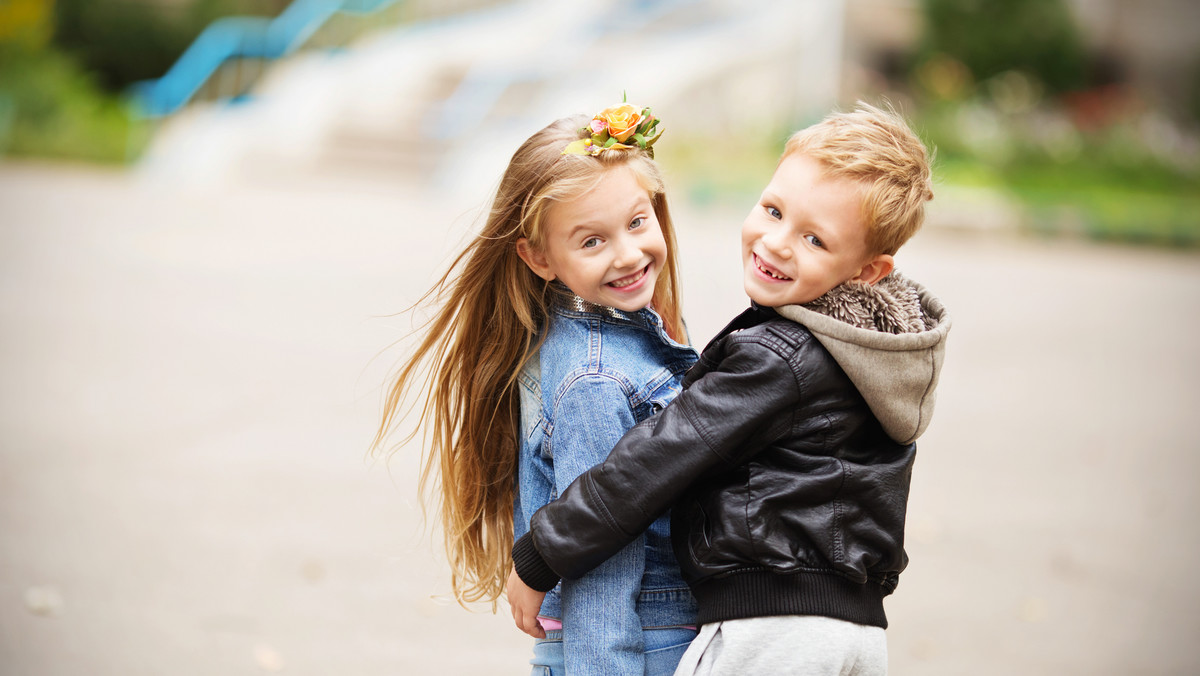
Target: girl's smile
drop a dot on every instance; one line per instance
(632, 282)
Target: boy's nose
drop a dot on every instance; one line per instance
(776, 242)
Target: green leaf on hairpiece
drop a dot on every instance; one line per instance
(640, 140)
(650, 141)
(611, 140)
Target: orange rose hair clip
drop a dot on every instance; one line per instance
(619, 127)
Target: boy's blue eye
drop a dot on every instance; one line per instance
(815, 241)
(591, 242)
(774, 213)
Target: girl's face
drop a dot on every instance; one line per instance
(606, 245)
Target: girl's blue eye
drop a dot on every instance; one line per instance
(591, 242)
(774, 213)
(637, 223)
(815, 241)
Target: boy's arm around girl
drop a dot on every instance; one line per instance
(740, 397)
(773, 460)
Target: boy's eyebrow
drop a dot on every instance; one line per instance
(828, 234)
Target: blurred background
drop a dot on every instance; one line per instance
(213, 214)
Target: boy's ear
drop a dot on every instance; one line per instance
(876, 269)
(535, 259)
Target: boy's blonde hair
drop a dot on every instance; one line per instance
(490, 315)
(876, 148)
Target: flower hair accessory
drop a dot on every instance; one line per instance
(619, 127)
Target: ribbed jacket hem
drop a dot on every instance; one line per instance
(762, 593)
(531, 567)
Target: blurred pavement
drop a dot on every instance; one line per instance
(192, 376)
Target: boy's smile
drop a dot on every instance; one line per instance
(769, 270)
(805, 236)
(606, 245)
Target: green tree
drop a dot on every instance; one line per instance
(123, 41)
(1038, 37)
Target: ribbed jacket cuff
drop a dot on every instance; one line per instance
(531, 567)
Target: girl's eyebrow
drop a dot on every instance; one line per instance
(642, 202)
(582, 226)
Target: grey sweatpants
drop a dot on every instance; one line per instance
(795, 645)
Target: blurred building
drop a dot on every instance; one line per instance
(450, 96)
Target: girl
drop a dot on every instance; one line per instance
(558, 330)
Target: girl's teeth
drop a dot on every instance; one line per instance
(622, 283)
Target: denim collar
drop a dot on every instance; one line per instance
(563, 298)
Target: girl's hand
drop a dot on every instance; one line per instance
(525, 604)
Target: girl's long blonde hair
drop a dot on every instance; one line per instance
(490, 312)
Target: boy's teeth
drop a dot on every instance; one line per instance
(776, 276)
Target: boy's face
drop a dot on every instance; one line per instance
(606, 246)
(805, 236)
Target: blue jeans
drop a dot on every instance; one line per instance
(664, 647)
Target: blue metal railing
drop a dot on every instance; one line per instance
(239, 37)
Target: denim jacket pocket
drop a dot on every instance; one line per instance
(658, 400)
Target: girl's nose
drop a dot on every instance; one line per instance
(627, 253)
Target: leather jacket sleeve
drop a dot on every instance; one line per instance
(744, 397)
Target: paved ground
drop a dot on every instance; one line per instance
(191, 379)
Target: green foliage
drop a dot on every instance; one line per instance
(55, 110)
(64, 100)
(1110, 198)
(124, 41)
(730, 171)
(25, 23)
(1110, 183)
(1193, 84)
(1037, 37)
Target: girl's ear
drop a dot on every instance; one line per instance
(876, 269)
(535, 259)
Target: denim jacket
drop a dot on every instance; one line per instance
(599, 372)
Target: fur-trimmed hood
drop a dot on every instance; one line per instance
(890, 339)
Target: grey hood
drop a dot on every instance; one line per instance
(890, 339)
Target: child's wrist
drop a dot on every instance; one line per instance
(531, 567)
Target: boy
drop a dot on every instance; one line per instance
(787, 458)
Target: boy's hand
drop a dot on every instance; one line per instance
(525, 604)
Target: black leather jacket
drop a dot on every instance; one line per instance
(787, 496)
